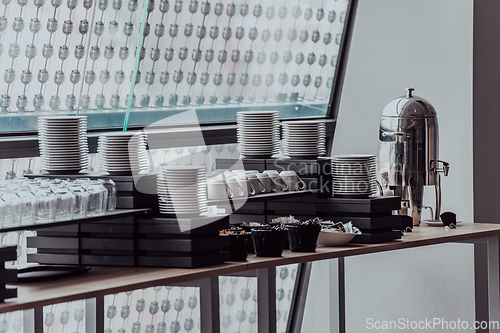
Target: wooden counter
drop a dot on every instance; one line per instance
(101, 281)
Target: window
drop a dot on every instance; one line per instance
(80, 56)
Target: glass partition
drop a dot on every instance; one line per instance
(214, 57)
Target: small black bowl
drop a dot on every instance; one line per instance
(238, 246)
(268, 242)
(303, 238)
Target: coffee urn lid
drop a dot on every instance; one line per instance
(409, 106)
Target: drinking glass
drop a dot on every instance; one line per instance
(29, 205)
(98, 198)
(109, 184)
(65, 204)
(46, 204)
(3, 209)
(81, 201)
(14, 211)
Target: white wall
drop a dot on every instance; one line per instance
(427, 45)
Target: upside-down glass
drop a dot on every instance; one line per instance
(29, 205)
(14, 211)
(3, 209)
(81, 201)
(110, 185)
(65, 204)
(46, 204)
(98, 198)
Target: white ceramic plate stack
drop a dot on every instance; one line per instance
(122, 152)
(354, 175)
(63, 143)
(182, 190)
(304, 139)
(258, 133)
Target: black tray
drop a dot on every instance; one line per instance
(182, 245)
(53, 242)
(137, 201)
(370, 223)
(372, 205)
(45, 273)
(69, 230)
(103, 260)
(248, 163)
(53, 259)
(374, 238)
(8, 275)
(7, 293)
(183, 262)
(292, 207)
(236, 218)
(108, 244)
(7, 253)
(167, 227)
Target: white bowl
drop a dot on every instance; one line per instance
(332, 238)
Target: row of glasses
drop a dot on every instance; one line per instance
(26, 201)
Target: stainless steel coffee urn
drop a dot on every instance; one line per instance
(409, 152)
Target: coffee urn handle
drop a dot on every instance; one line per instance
(409, 92)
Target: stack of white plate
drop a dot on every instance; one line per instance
(304, 138)
(354, 175)
(122, 152)
(63, 143)
(258, 133)
(182, 189)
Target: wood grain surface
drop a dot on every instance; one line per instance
(101, 281)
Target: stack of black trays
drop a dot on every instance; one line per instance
(139, 242)
(373, 216)
(7, 253)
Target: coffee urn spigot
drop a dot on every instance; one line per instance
(409, 152)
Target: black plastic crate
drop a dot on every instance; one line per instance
(377, 237)
(370, 223)
(371, 205)
(248, 164)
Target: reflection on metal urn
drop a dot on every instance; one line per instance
(409, 152)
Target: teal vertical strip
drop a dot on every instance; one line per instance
(136, 66)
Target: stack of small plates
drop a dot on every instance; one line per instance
(258, 133)
(304, 139)
(354, 175)
(182, 190)
(63, 143)
(122, 152)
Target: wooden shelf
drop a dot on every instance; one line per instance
(106, 216)
(103, 281)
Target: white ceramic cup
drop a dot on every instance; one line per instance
(217, 189)
(293, 180)
(256, 183)
(246, 186)
(234, 188)
(268, 183)
(276, 178)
